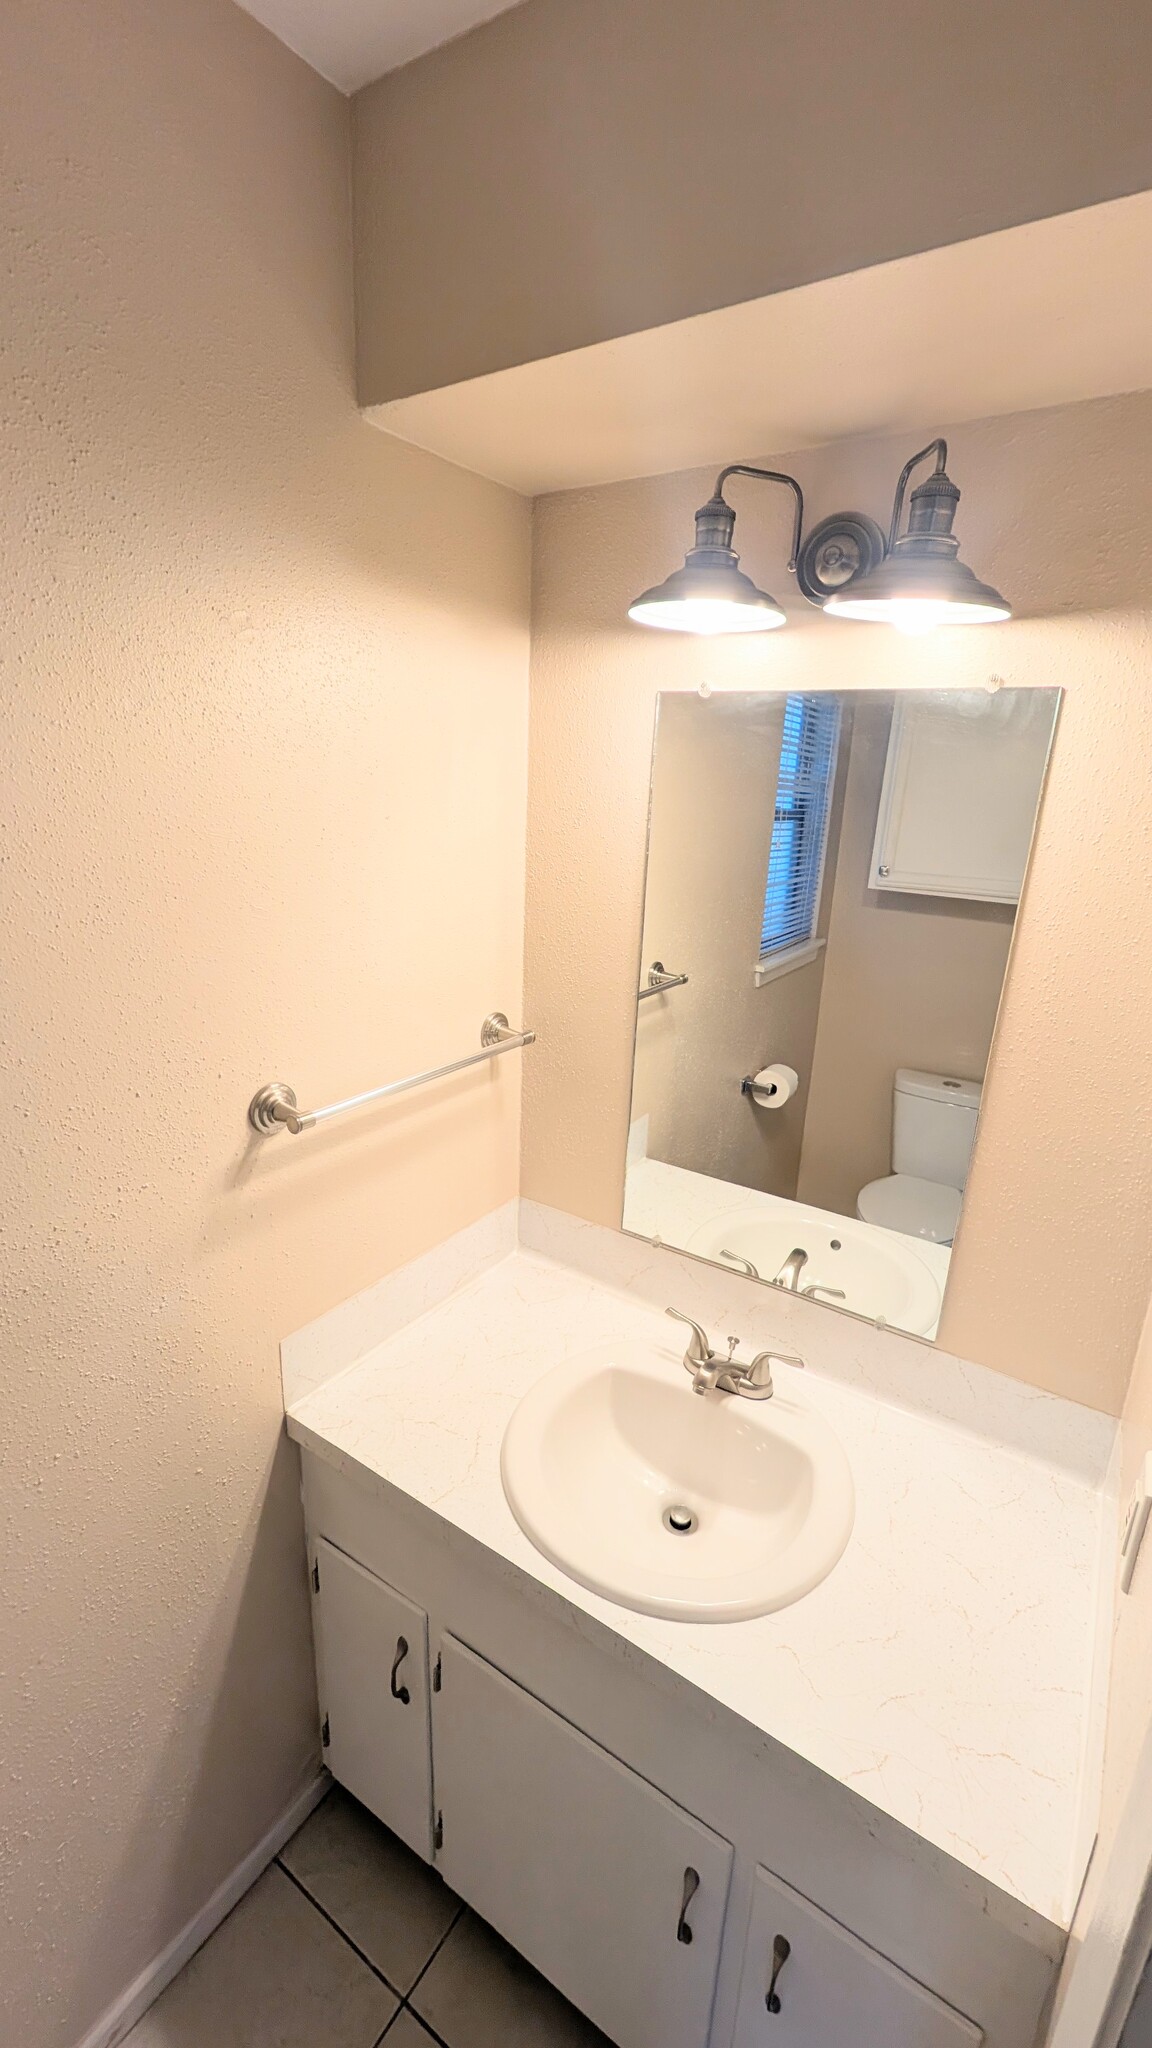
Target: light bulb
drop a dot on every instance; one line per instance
(706, 615)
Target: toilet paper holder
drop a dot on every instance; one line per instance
(771, 1087)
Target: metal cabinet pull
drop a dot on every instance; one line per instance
(691, 1887)
(781, 1950)
(400, 1692)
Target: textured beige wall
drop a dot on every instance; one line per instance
(909, 981)
(1052, 1265)
(264, 735)
(713, 799)
(580, 169)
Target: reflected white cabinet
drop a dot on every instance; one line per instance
(372, 1665)
(613, 1891)
(962, 780)
(808, 1983)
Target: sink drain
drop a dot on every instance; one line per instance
(680, 1521)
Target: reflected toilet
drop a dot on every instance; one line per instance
(933, 1131)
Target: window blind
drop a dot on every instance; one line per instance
(800, 826)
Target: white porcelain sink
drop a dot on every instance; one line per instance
(880, 1274)
(606, 1454)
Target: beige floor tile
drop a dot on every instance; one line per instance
(407, 2031)
(393, 1906)
(274, 1975)
(479, 1993)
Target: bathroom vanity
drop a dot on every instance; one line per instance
(826, 1778)
(836, 1824)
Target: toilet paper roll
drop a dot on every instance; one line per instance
(773, 1086)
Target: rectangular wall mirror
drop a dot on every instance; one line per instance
(833, 882)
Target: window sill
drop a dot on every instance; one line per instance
(775, 964)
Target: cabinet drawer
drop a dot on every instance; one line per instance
(833, 1991)
(616, 1894)
(372, 1664)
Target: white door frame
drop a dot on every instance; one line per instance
(1107, 1967)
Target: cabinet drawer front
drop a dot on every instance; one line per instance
(833, 1991)
(616, 1894)
(372, 1657)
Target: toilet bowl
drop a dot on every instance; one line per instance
(920, 1208)
(933, 1131)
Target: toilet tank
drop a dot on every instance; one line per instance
(933, 1125)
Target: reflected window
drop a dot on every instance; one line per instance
(800, 825)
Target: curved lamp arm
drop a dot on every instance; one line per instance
(937, 448)
(772, 476)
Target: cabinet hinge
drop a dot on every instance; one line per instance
(325, 1732)
(438, 1832)
(316, 1576)
(438, 1674)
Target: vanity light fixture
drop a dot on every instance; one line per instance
(711, 593)
(913, 580)
(921, 582)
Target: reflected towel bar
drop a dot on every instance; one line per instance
(659, 979)
(275, 1105)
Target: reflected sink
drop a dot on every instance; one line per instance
(697, 1507)
(879, 1272)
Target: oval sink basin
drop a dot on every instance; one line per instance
(699, 1507)
(878, 1271)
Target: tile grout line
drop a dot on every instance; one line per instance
(404, 2005)
(325, 1915)
(419, 1978)
(420, 2021)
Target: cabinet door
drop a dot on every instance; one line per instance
(832, 1991)
(372, 1662)
(961, 786)
(615, 1894)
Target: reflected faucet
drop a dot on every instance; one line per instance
(745, 1265)
(790, 1271)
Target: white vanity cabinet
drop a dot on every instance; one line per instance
(807, 1982)
(637, 1842)
(372, 1670)
(614, 1892)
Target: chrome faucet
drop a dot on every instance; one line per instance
(713, 1374)
(789, 1277)
(790, 1271)
(745, 1265)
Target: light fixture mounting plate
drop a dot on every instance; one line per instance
(841, 548)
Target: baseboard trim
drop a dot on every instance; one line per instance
(121, 2016)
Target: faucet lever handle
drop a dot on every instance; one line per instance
(699, 1344)
(774, 1356)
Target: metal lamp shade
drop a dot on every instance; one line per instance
(921, 583)
(917, 592)
(710, 594)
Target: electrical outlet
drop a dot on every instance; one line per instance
(1135, 1523)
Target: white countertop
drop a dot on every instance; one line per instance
(943, 1670)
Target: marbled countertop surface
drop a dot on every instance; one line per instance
(943, 1670)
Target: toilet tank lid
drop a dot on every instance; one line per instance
(939, 1087)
